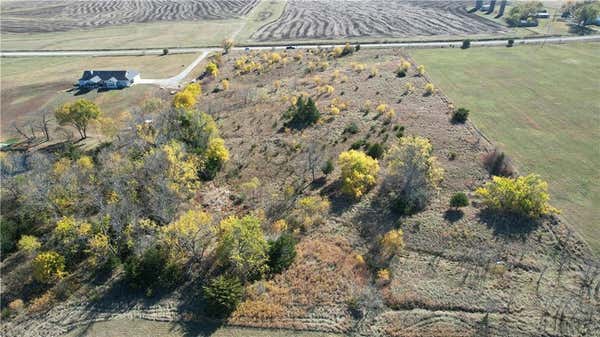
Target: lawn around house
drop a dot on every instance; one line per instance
(46, 82)
(541, 105)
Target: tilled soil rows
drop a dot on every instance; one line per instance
(62, 15)
(303, 19)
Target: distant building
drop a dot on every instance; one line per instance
(542, 15)
(108, 79)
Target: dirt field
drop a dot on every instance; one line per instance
(338, 19)
(141, 328)
(30, 16)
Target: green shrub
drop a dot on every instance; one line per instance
(401, 72)
(223, 294)
(303, 113)
(459, 200)
(510, 43)
(358, 144)
(351, 128)
(152, 271)
(399, 131)
(282, 253)
(327, 167)
(460, 115)
(466, 44)
(375, 151)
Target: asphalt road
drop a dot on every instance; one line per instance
(447, 44)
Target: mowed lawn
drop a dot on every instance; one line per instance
(542, 106)
(29, 85)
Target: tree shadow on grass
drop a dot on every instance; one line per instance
(453, 215)
(508, 224)
(339, 201)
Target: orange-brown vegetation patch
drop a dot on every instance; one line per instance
(311, 294)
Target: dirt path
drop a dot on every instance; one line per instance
(173, 82)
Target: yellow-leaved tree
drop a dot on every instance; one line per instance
(48, 267)
(188, 97)
(359, 172)
(227, 45)
(308, 212)
(29, 243)
(188, 237)
(412, 173)
(527, 196)
(392, 242)
(182, 168)
(242, 247)
(212, 69)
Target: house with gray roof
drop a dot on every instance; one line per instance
(108, 79)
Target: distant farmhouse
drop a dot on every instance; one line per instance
(108, 79)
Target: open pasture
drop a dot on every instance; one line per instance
(540, 104)
(342, 19)
(59, 15)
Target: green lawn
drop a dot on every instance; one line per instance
(542, 106)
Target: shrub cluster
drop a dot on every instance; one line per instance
(526, 196)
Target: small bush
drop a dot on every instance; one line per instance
(357, 47)
(48, 267)
(459, 200)
(429, 89)
(358, 144)
(527, 196)
(165, 51)
(401, 72)
(282, 253)
(375, 151)
(223, 294)
(452, 156)
(466, 44)
(498, 164)
(460, 115)
(399, 131)
(510, 43)
(351, 128)
(29, 243)
(327, 167)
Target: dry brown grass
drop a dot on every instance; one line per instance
(316, 286)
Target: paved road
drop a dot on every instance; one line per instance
(568, 39)
(173, 82)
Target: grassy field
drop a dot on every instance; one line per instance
(541, 105)
(267, 11)
(46, 82)
(139, 35)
